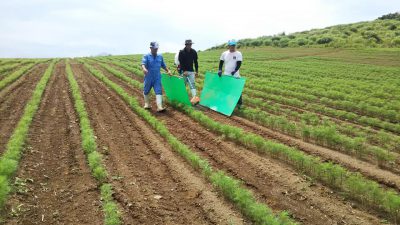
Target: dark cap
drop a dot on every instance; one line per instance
(154, 44)
(188, 42)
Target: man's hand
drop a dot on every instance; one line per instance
(185, 73)
(219, 73)
(196, 74)
(145, 71)
(169, 72)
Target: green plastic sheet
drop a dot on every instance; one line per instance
(221, 94)
(175, 89)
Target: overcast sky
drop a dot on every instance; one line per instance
(65, 28)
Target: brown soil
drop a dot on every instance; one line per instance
(13, 99)
(153, 184)
(59, 185)
(272, 181)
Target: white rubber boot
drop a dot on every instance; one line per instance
(146, 102)
(160, 108)
(195, 100)
(193, 92)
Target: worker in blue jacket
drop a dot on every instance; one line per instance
(151, 65)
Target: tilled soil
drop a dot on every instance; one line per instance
(153, 185)
(272, 181)
(13, 99)
(56, 186)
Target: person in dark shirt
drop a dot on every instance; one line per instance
(187, 57)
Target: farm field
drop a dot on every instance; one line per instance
(316, 142)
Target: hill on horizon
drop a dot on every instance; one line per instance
(382, 32)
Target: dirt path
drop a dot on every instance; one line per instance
(153, 185)
(13, 99)
(60, 188)
(273, 182)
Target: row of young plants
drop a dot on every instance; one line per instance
(353, 185)
(309, 70)
(278, 87)
(265, 75)
(313, 84)
(10, 159)
(9, 67)
(331, 68)
(231, 188)
(382, 139)
(15, 75)
(359, 108)
(94, 158)
(324, 133)
(333, 91)
(323, 71)
(5, 62)
(318, 108)
(387, 141)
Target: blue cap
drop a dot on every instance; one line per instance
(154, 44)
(232, 42)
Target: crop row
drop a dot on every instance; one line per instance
(111, 213)
(15, 75)
(383, 139)
(10, 159)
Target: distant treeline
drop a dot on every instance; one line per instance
(382, 32)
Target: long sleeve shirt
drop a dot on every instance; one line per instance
(187, 59)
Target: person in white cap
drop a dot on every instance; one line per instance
(151, 65)
(186, 58)
(233, 60)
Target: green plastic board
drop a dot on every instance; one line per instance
(175, 89)
(221, 94)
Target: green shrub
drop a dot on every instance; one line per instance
(324, 40)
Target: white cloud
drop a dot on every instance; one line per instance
(68, 28)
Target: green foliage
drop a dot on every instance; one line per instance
(324, 40)
(390, 16)
(15, 75)
(10, 159)
(112, 215)
(4, 189)
(377, 33)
